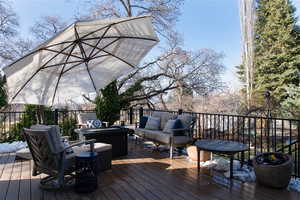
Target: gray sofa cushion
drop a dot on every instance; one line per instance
(164, 117)
(173, 124)
(153, 123)
(186, 120)
(161, 137)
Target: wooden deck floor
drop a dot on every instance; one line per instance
(142, 175)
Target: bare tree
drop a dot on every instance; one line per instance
(8, 21)
(14, 49)
(165, 13)
(47, 27)
(176, 70)
(11, 45)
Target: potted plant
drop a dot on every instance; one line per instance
(273, 169)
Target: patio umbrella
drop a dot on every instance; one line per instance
(81, 59)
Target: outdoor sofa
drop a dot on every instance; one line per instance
(173, 137)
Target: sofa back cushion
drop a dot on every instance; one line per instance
(143, 121)
(173, 124)
(153, 123)
(186, 120)
(164, 117)
(84, 117)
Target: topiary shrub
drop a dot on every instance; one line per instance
(108, 104)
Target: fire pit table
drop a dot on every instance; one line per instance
(227, 147)
(117, 137)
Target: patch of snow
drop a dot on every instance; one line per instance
(245, 174)
(294, 184)
(12, 147)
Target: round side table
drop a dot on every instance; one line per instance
(86, 172)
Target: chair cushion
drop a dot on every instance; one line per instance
(98, 147)
(153, 123)
(94, 123)
(164, 117)
(143, 121)
(173, 124)
(186, 120)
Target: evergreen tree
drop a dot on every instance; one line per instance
(108, 104)
(277, 48)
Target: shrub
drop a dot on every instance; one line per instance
(67, 128)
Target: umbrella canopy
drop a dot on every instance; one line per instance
(81, 59)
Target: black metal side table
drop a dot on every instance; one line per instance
(86, 172)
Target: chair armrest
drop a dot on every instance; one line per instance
(91, 142)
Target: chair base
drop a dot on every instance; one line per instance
(52, 182)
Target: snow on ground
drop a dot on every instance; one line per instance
(245, 174)
(12, 147)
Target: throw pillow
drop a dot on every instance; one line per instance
(186, 120)
(93, 123)
(164, 117)
(173, 124)
(153, 123)
(143, 121)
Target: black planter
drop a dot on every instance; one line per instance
(273, 175)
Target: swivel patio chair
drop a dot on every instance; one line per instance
(51, 157)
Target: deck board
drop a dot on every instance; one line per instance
(142, 175)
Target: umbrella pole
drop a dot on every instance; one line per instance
(40, 114)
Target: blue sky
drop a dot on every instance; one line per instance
(203, 24)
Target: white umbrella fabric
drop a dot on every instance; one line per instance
(81, 59)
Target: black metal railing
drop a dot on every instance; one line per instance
(261, 134)
(11, 123)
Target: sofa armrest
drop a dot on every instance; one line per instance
(178, 131)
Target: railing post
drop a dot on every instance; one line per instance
(180, 111)
(56, 116)
(130, 115)
(141, 113)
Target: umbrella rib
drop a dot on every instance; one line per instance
(100, 39)
(112, 24)
(121, 37)
(72, 67)
(100, 49)
(84, 55)
(31, 77)
(61, 73)
(121, 59)
(71, 62)
(61, 53)
(92, 80)
(100, 56)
